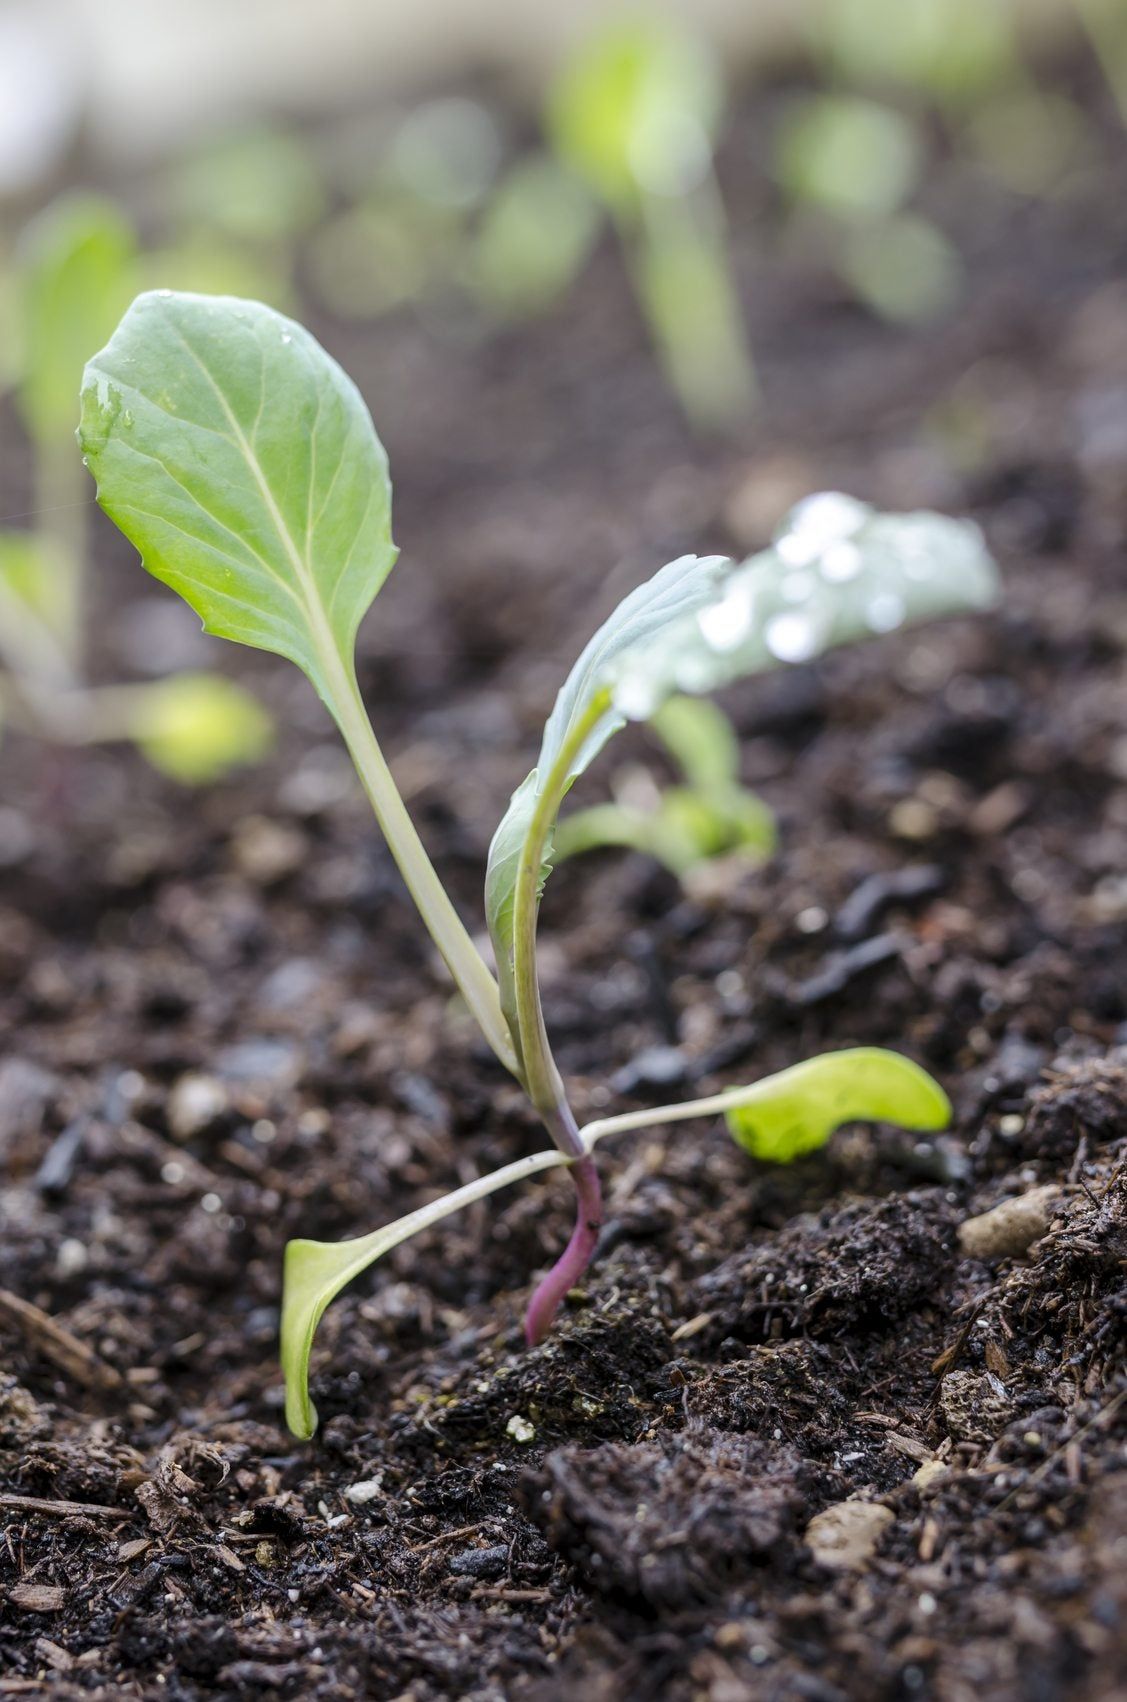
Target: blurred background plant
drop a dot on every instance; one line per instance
(684, 826)
(75, 270)
(469, 167)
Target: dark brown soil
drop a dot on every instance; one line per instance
(223, 1027)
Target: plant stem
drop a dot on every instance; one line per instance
(445, 926)
(678, 257)
(576, 1256)
(542, 1078)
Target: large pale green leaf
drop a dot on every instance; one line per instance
(837, 571)
(798, 1110)
(243, 464)
(76, 264)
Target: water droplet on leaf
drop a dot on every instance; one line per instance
(791, 638)
(885, 611)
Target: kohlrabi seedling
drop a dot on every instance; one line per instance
(243, 464)
(708, 815)
(78, 268)
(635, 117)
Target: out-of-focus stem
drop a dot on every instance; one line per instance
(681, 268)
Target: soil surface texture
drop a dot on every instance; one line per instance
(814, 1432)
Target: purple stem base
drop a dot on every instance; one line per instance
(576, 1256)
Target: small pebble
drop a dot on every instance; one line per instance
(1010, 1228)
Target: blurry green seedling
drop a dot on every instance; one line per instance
(77, 269)
(243, 464)
(855, 163)
(964, 60)
(404, 235)
(237, 209)
(1105, 22)
(634, 117)
(534, 237)
(710, 815)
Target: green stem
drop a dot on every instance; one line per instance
(466, 965)
(715, 1105)
(542, 1078)
(681, 271)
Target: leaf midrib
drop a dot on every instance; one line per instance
(328, 654)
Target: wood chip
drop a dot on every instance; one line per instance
(56, 1343)
(229, 1557)
(909, 1445)
(37, 1598)
(54, 1655)
(133, 1549)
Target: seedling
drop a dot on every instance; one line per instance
(79, 268)
(635, 117)
(854, 163)
(244, 466)
(709, 815)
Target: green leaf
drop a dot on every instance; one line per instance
(316, 1271)
(196, 727)
(243, 464)
(837, 571)
(799, 1109)
(579, 726)
(76, 264)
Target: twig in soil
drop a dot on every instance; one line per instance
(949, 1358)
(444, 1536)
(57, 1344)
(63, 1509)
(502, 1593)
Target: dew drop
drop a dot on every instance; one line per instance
(286, 338)
(165, 295)
(791, 637)
(816, 523)
(840, 562)
(885, 611)
(725, 624)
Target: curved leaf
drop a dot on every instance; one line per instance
(837, 571)
(243, 464)
(580, 724)
(316, 1271)
(799, 1109)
